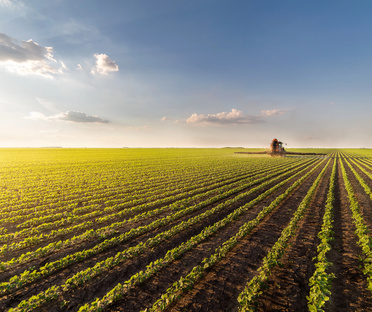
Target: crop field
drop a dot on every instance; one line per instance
(184, 230)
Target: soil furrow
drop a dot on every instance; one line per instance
(287, 286)
(58, 277)
(101, 286)
(218, 290)
(349, 288)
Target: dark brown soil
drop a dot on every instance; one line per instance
(287, 287)
(349, 288)
(98, 288)
(219, 288)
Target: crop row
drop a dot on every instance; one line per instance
(70, 205)
(111, 228)
(71, 213)
(248, 297)
(321, 281)
(88, 179)
(187, 282)
(82, 277)
(362, 231)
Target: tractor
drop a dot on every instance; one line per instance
(277, 149)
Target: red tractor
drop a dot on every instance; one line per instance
(277, 149)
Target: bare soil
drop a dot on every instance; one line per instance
(219, 288)
(103, 284)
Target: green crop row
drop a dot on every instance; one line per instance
(119, 290)
(360, 179)
(362, 231)
(35, 239)
(248, 297)
(110, 229)
(82, 277)
(321, 281)
(185, 283)
(70, 193)
(197, 186)
(70, 215)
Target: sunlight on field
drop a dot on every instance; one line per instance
(129, 219)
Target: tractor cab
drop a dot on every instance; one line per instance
(276, 147)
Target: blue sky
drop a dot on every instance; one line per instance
(196, 73)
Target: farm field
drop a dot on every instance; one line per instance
(184, 230)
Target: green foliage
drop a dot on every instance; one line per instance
(187, 282)
(197, 185)
(321, 281)
(362, 231)
(93, 194)
(249, 296)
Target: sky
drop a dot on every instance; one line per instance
(195, 73)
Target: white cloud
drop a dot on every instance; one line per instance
(28, 58)
(165, 118)
(104, 65)
(273, 112)
(69, 116)
(11, 3)
(6, 3)
(234, 117)
(37, 116)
